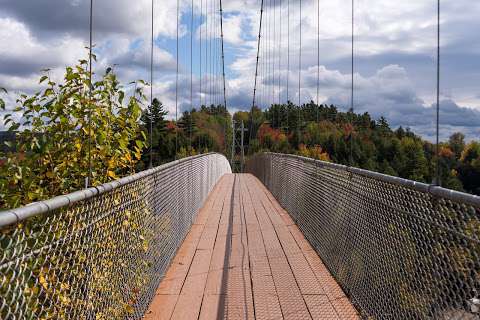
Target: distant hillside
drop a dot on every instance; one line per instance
(323, 132)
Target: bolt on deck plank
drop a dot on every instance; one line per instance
(244, 258)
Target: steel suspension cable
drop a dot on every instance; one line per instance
(277, 48)
(151, 88)
(90, 93)
(352, 106)
(318, 59)
(191, 77)
(209, 72)
(274, 53)
(206, 52)
(299, 72)
(437, 144)
(256, 70)
(201, 52)
(215, 52)
(288, 65)
(271, 63)
(280, 47)
(176, 82)
(223, 72)
(210, 55)
(256, 65)
(217, 55)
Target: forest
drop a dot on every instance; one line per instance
(321, 132)
(62, 139)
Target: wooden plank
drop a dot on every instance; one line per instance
(290, 297)
(315, 281)
(246, 260)
(190, 300)
(166, 298)
(266, 303)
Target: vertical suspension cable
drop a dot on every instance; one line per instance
(210, 50)
(90, 93)
(270, 61)
(217, 54)
(258, 56)
(299, 73)
(274, 53)
(352, 106)
(191, 78)
(280, 51)
(277, 47)
(318, 59)
(151, 91)
(201, 51)
(223, 69)
(437, 146)
(288, 64)
(256, 70)
(206, 52)
(176, 83)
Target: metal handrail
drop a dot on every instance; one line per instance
(434, 190)
(8, 217)
(100, 253)
(400, 249)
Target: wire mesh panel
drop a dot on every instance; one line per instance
(101, 253)
(400, 249)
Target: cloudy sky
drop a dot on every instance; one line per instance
(395, 52)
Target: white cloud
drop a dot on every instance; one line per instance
(395, 51)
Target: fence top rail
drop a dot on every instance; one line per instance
(13, 216)
(433, 190)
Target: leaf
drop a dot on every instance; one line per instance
(43, 282)
(111, 174)
(42, 79)
(14, 127)
(121, 96)
(129, 309)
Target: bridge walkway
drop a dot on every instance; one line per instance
(244, 258)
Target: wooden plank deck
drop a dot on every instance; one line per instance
(245, 258)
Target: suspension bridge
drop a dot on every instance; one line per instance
(283, 237)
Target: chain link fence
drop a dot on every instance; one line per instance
(400, 249)
(101, 253)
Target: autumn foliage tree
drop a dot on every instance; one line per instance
(65, 131)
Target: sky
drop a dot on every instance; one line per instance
(395, 53)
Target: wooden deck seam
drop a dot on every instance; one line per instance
(307, 258)
(281, 244)
(217, 197)
(264, 245)
(210, 263)
(242, 206)
(245, 259)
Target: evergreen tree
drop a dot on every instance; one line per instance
(155, 115)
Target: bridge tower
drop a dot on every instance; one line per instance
(238, 145)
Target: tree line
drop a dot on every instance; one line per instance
(75, 132)
(323, 132)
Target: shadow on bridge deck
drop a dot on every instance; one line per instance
(244, 258)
